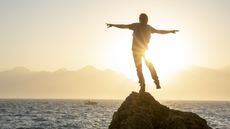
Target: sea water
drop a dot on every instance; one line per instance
(75, 114)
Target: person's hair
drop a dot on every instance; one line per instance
(143, 18)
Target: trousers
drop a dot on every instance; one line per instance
(137, 56)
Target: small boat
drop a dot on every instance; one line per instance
(90, 102)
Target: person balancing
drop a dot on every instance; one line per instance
(141, 36)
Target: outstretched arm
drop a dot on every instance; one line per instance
(121, 26)
(164, 31)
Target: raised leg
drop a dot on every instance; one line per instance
(153, 73)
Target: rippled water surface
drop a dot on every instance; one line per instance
(74, 114)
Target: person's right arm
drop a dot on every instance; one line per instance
(121, 26)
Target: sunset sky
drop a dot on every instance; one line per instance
(53, 34)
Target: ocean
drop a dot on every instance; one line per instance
(75, 114)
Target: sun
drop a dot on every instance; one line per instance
(169, 54)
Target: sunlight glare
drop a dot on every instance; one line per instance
(168, 55)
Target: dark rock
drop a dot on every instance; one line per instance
(142, 111)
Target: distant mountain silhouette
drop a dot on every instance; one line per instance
(19, 69)
(226, 68)
(90, 82)
(61, 70)
(88, 68)
(200, 83)
(87, 82)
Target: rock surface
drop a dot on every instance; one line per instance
(142, 111)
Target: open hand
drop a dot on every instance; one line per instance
(109, 25)
(174, 31)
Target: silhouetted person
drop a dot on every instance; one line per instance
(141, 36)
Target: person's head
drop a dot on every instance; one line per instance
(143, 18)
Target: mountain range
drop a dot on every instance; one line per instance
(193, 83)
